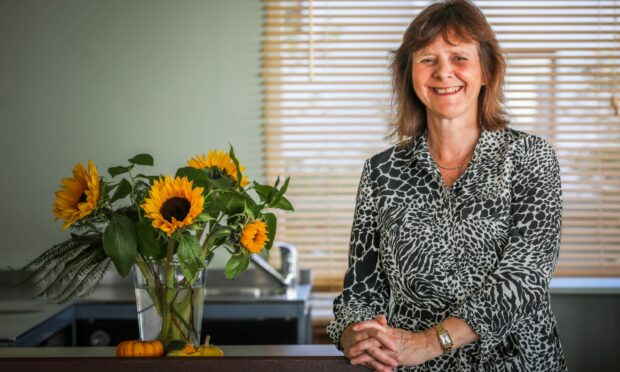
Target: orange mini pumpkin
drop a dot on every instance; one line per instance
(137, 348)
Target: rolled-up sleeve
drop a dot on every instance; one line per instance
(519, 286)
(365, 293)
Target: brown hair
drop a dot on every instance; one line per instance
(453, 20)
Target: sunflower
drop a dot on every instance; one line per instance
(221, 161)
(254, 236)
(78, 196)
(173, 204)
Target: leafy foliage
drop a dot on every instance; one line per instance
(70, 269)
(122, 235)
(120, 243)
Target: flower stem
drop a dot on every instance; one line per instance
(133, 195)
(168, 293)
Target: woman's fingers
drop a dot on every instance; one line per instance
(383, 356)
(367, 324)
(381, 319)
(362, 359)
(368, 361)
(384, 337)
(362, 346)
(350, 337)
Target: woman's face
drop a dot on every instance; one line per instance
(447, 79)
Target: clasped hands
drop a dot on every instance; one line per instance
(374, 344)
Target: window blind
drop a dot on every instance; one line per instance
(327, 105)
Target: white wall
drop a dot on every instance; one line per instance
(108, 79)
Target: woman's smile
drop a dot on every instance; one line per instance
(447, 91)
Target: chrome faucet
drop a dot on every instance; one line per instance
(288, 264)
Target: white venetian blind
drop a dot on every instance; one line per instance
(327, 104)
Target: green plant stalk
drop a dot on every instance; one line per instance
(206, 236)
(173, 303)
(181, 310)
(152, 285)
(210, 229)
(133, 195)
(147, 274)
(166, 295)
(200, 232)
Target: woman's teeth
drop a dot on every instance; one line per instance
(447, 90)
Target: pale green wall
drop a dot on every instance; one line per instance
(107, 79)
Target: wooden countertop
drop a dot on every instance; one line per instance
(267, 358)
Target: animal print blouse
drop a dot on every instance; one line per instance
(483, 251)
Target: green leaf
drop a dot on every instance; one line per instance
(265, 192)
(191, 256)
(236, 161)
(272, 221)
(142, 159)
(198, 177)
(233, 202)
(147, 241)
(115, 171)
(211, 208)
(279, 195)
(123, 189)
(217, 237)
(120, 243)
(204, 217)
(284, 204)
(272, 197)
(222, 183)
(285, 186)
(236, 265)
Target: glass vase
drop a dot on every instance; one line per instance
(169, 306)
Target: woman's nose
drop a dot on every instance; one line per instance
(443, 70)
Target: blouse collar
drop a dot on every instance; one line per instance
(485, 149)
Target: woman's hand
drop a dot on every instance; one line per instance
(363, 341)
(384, 343)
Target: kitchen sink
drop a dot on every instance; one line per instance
(252, 283)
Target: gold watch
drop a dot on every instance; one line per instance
(444, 338)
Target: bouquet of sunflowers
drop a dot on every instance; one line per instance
(155, 223)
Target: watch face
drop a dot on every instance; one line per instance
(445, 339)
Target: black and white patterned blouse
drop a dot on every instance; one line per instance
(482, 251)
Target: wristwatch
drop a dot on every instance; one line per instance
(444, 338)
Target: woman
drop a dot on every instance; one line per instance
(457, 228)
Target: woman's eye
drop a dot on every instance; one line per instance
(461, 58)
(427, 60)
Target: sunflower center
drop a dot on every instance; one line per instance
(175, 207)
(83, 197)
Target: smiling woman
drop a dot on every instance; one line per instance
(465, 287)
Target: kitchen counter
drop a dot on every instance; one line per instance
(26, 321)
(297, 358)
(584, 285)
